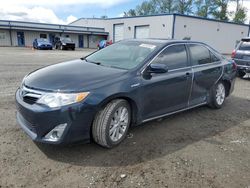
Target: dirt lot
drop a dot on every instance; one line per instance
(198, 148)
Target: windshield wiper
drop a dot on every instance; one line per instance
(97, 63)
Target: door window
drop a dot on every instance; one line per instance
(174, 57)
(199, 54)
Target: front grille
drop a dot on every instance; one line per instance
(29, 96)
(70, 45)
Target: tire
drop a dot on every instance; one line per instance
(108, 121)
(217, 95)
(73, 49)
(241, 74)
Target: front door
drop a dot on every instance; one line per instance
(168, 92)
(52, 38)
(80, 41)
(20, 39)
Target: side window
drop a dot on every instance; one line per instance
(214, 58)
(174, 57)
(199, 54)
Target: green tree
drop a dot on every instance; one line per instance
(184, 6)
(240, 15)
(221, 11)
(204, 8)
(164, 6)
(131, 12)
(146, 8)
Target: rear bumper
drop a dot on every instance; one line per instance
(243, 65)
(37, 121)
(243, 68)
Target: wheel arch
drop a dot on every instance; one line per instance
(132, 103)
(227, 85)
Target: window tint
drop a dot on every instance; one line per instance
(199, 54)
(214, 58)
(174, 57)
(245, 46)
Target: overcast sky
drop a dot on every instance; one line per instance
(66, 11)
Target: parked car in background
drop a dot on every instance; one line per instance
(104, 43)
(241, 55)
(42, 44)
(127, 83)
(64, 43)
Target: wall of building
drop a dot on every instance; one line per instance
(4, 37)
(159, 26)
(90, 22)
(29, 37)
(221, 36)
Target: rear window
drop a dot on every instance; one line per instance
(245, 46)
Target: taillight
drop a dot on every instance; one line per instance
(233, 54)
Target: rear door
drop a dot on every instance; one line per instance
(168, 92)
(207, 70)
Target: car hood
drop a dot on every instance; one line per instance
(77, 75)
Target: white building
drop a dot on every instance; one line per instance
(223, 36)
(14, 33)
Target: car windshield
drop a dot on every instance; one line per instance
(123, 55)
(245, 46)
(67, 39)
(42, 40)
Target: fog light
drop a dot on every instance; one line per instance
(56, 133)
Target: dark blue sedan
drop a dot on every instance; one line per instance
(42, 44)
(128, 83)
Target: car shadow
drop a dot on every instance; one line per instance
(157, 138)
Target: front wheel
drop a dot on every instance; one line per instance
(111, 123)
(217, 95)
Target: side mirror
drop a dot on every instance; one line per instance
(157, 68)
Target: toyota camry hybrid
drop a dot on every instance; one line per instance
(100, 96)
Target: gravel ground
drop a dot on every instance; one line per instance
(198, 148)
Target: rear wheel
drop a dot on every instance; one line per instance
(111, 123)
(241, 74)
(217, 95)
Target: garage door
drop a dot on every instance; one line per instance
(142, 32)
(118, 32)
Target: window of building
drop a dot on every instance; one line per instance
(174, 57)
(42, 35)
(2, 35)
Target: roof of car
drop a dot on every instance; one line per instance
(162, 41)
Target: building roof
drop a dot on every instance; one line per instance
(165, 14)
(32, 26)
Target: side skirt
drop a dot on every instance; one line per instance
(171, 113)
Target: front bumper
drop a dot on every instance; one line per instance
(44, 47)
(38, 120)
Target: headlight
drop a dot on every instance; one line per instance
(63, 43)
(54, 100)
